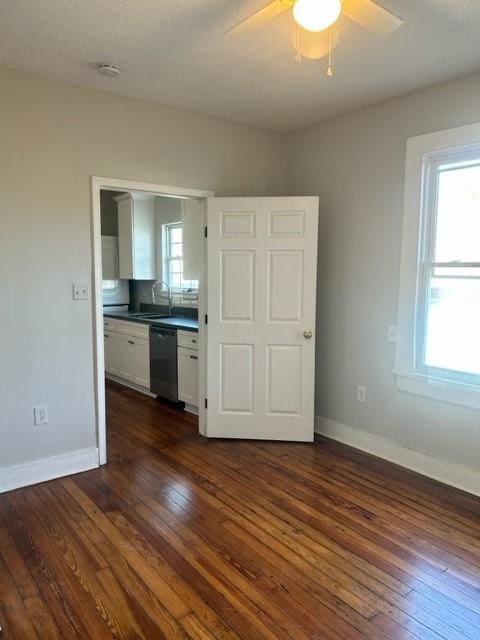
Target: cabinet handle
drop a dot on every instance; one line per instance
(131, 342)
(105, 336)
(194, 341)
(193, 357)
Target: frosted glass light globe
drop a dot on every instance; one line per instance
(316, 15)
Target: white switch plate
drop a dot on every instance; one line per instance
(392, 334)
(361, 394)
(81, 291)
(40, 415)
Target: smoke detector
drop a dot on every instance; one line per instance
(109, 70)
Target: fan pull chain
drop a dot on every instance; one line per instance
(329, 70)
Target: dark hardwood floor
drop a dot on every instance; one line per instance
(179, 537)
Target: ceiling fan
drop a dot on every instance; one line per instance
(315, 37)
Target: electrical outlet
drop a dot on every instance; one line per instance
(40, 415)
(392, 333)
(81, 291)
(361, 394)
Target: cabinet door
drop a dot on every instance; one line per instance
(125, 239)
(144, 250)
(141, 362)
(110, 258)
(124, 352)
(107, 351)
(188, 376)
(111, 352)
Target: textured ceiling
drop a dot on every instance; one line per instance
(174, 52)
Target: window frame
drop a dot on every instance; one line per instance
(167, 258)
(425, 155)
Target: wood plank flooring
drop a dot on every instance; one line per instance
(179, 537)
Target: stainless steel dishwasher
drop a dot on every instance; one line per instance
(163, 362)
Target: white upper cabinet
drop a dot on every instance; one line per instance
(136, 236)
(193, 223)
(110, 258)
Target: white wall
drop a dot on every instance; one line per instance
(356, 164)
(53, 136)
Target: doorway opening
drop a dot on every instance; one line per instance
(150, 279)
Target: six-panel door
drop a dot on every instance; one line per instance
(262, 260)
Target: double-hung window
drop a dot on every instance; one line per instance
(173, 259)
(438, 349)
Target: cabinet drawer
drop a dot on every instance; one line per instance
(188, 339)
(133, 329)
(109, 324)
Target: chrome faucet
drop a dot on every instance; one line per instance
(168, 294)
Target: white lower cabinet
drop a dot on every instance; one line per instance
(127, 352)
(141, 362)
(111, 353)
(188, 376)
(188, 380)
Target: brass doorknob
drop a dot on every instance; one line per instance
(307, 334)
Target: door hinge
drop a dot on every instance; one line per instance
(205, 231)
(206, 403)
(206, 318)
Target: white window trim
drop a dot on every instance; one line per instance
(166, 270)
(421, 152)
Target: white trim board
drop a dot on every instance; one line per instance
(451, 474)
(66, 464)
(117, 184)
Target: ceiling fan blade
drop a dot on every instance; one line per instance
(371, 16)
(261, 17)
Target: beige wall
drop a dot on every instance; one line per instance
(356, 164)
(53, 136)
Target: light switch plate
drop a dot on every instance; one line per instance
(40, 415)
(81, 291)
(392, 334)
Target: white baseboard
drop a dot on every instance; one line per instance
(23, 475)
(190, 408)
(130, 385)
(458, 476)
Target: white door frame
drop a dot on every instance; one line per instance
(116, 184)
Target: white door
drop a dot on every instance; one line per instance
(262, 264)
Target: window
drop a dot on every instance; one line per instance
(438, 348)
(451, 288)
(173, 258)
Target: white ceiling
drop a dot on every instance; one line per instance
(174, 52)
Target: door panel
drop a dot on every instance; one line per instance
(236, 378)
(262, 261)
(285, 286)
(284, 376)
(237, 272)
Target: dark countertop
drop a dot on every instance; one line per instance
(175, 322)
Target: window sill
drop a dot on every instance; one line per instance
(436, 388)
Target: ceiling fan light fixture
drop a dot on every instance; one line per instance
(316, 15)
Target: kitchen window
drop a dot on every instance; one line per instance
(173, 259)
(438, 348)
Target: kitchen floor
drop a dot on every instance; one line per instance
(178, 537)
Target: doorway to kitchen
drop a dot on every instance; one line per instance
(137, 258)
